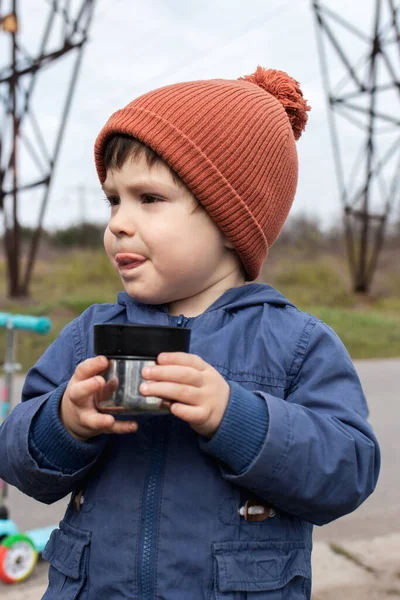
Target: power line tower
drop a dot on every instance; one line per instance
(366, 93)
(22, 137)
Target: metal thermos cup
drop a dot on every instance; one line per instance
(129, 348)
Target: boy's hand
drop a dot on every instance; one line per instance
(199, 394)
(78, 411)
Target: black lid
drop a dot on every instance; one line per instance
(142, 341)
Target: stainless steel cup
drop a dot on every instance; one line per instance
(129, 348)
(126, 398)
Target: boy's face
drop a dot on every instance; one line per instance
(183, 253)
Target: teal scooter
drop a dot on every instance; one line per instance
(19, 552)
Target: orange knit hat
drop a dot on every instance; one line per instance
(232, 142)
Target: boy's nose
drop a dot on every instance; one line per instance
(122, 224)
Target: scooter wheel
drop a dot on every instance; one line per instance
(18, 558)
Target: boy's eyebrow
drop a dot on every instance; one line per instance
(149, 185)
(144, 185)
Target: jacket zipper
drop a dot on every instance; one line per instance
(150, 508)
(182, 320)
(151, 504)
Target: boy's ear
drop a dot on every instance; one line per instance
(228, 243)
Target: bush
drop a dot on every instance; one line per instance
(86, 235)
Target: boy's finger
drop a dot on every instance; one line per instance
(174, 373)
(190, 414)
(81, 390)
(90, 367)
(182, 358)
(95, 421)
(121, 427)
(171, 391)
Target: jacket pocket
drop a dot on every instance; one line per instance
(67, 551)
(262, 571)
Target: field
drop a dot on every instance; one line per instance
(65, 283)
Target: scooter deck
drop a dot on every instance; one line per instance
(41, 536)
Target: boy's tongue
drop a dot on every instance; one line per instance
(124, 259)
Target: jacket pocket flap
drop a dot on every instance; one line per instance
(65, 549)
(260, 566)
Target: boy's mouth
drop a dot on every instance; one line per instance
(128, 261)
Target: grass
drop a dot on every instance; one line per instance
(64, 285)
(368, 334)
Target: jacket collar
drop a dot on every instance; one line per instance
(251, 294)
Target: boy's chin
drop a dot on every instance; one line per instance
(144, 298)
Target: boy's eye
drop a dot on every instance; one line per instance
(145, 198)
(150, 199)
(112, 201)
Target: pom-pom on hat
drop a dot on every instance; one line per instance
(232, 142)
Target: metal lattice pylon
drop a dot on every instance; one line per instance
(366, 93)
(19, 126)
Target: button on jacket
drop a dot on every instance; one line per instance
(164, 514)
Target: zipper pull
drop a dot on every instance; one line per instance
(180, 321)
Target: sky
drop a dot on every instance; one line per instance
(137, 45)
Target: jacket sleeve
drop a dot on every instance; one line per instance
(319, 458)
(22, 463)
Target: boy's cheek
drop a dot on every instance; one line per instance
(108, 246)
(107, 239)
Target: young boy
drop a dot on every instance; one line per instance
(268, 430)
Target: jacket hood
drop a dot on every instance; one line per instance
(234, 299)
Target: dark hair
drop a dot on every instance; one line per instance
(120, 147)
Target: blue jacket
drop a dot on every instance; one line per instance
(161, 513)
